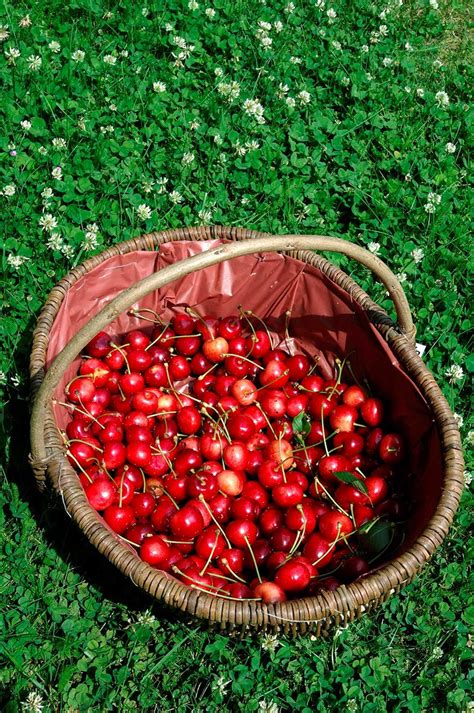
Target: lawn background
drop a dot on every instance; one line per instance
(360, 129)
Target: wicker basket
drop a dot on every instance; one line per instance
(318, 613)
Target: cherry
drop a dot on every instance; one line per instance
(343, 418)
(138, 339)
(281, 453)
(202, 483)
(188, 346)
(138, 453)
(318, 550)
(391, 448)
(270, 592)
(210, 543)
(119, 518)
(183, 324)
(298, 367)
(155, 551)
(216, 349)
(377, 488)
(160, 518)
(189, 419)
(244, 391)
(230, 327)
(240, 427)
(240, 532)
(255, 491)
(220, 507)
(292, 576)
(231, 561)
(372, 411)
(353, 568)
(186, 523)
(138, 533)
(97, 370)
(328, 465)
(80, 390)
(99, 345)
(313, 383)
(335, 525)
(231, 482)
(275, 373)
(156, 375)
(187, 460)
(138, 360)
(354, 396)
(270, 474)
(260, 552)
(114, 455)
(259, 344)
(143, 504)
(236, 456)
(287, 494)
(101, 494)
(301, 517)
(283, 539)
(349, 444)
(320, 406)
(132, 383)
(296, 404)
(274, 403)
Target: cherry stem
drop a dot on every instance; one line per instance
(71, 455)
(138, 313)
(201, 498)
(134, 544)
(79, 440)
(239, 356)
(267, 420)
(123, 353)
(324, 432)
(76, 408)
(259, 319)
(287, 333)
(226, 564)
(196, 315)
(253, 558)
(169, 496)
(336, 504)
(211, 555)
(152, 344)
(316, 361)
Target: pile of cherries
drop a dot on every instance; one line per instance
(230, 463)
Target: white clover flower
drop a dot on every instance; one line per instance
(407, 89)
(420, 92)
(387, 61)
(253, 108)
(434, 198)
(54, 46)
(55, 242)
(210, 12)
(33, 703)
(345, 81)
(143, 211)
(290, 8)
(124, 53)
(336, 44)
(383, 31)
(109, 129)
(331, 13)
(295, 60)
(442, 99)
(169, 27)
(145, 11)
(408, 47)
(218, 72)
(266, 42)
(454, 373)
(239, 149)
(9, 190)
(81, 124)
(179, 42)
(320, 4)
(148, 186)
(16, 261)
(245, 201)
(42, 150)
(401, 277)
(34, 62)
(374, 37)
(188, 158)
(283, 89)
(459, 420)
(92, 228)
(48, 222)
(278, 26)
(25, 125)
(59, 143)
(176, 197)
(364, 48)
(218, 140)
(374, 248)
(4, 34)
(67, 251)
(12, 54)
(3, 378)
(252, 145)
(434, 4)
(159, 87)
(467, 482)
(205, 216)
(108, 15)
(220, 685)
(289, 101)
(304, 97)
(194, 125)
(417, 255)
(78, 56)
(57, 173)
(146, 618)
(269, 642)
(229, 90)
(268, 707)
(109, 59)
(470, 438)
(193, 5)
(90, 241)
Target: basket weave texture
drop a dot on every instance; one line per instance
(317, 613)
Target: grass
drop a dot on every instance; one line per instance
(368, 145)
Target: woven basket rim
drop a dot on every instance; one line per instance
(321, 610)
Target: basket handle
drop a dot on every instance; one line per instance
(285, 243)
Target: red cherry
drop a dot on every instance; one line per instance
(186, 523)
(138, 360)
(313, 383)
(244, 508)
(372, 411)
(240, 532)
(138, 453)
(391, 448)
(255, 491)
(354, 396)
(271, 520)
(298, 367)
(138, 533)
(183, 324)
(270, 592)
(259, 344)
(286, 495)
(80, 390)
(230, 327)
(292, 577)
(132, 383)
(231, 482)
(240, 427)
(99, 345)
(318, 550)
(155, 551)
(335, 525)
(210, 543)
(119, 518)
(215, 349)
(138, 339)
(343, 418)
(143, 504)
(231, 561)
(101, 494)
(114, 455)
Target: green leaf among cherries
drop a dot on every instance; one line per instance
(351, 479)
(301, 426)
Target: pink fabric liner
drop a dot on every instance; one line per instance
(324, 321)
